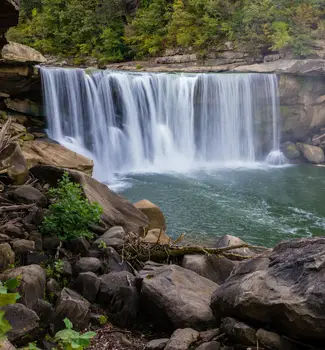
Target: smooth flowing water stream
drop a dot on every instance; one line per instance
(205, 147)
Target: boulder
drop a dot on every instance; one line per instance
(13, 159)
(7, 256)
(114, 237)
(21, 246)
(215, 268)
(87, 284)
(228, 241)
(117, 211)
(73, 306)
(32, 283)
(153, 213)
(157, 344)
(283, 289)
(238, 332)
(28, 194)
(22, 320)
(290, 150)
(88, 264)
(118, 293)
(313, 154)
(181, 339)
(25, 106)
(21, 53)
(176, 297)
(157, 236)
(48, 153)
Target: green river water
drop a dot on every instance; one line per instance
(261, 205)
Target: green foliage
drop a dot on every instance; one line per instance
(69, 339)
(7, 296)
(103, 29)
(31, 346)
(71, 214)
(102, 320)
(102, 245)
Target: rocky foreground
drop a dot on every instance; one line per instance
(131, 275)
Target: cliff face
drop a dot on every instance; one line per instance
(9, 15)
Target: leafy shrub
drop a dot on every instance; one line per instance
(7, 296)
(71, 214)
(69, 339)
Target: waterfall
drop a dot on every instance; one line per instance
(128, 122)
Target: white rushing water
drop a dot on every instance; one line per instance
(129, 122)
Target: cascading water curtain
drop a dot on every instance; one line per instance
(130, 122)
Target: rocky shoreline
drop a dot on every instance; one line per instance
(229, 296)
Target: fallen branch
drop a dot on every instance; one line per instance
(15, 207)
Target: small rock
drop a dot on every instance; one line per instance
(45, 312)
(153, 213)
(119, 295)
(114, 237)
(238, 331)
(268, 339)
(87, 284)
(22, 320)
(208, 335)
(78, 246)
(157, 344)
(212, 345)
(50, 243)
(35, 216)
(73, 306)
(53, 287)
(13, 230)
(157, 236)
(66, 269)
(32, 283)
(114, 262)
(37, 238)
(228, 240)
(21, 246)
(88, 264)
(7, 256)
(29, 195)
(181, 339)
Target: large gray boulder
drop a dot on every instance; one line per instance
(114, 238)
(283, 289)
(176, 297)
(32, 283)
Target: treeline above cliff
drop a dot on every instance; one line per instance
(117, 30)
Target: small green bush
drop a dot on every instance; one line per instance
(69, 339)
(71, 214)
